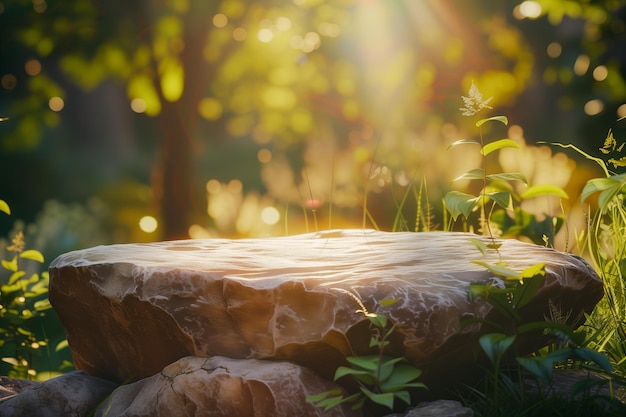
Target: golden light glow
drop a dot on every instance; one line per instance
(283, 23)
(581, 65)
(56, 104)
(213, 186)
(240, 34)
(554, 50)
(148, 224)
(528, 10)
(138, 105)
(210, 108)
(269, 215)
(264, 155)
(265, 35)
(621, 111)
(235, 186)
(8, 81)
(594, 107)
(32, 67)
(600, 73)
(220, 20)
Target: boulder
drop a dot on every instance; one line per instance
(75, 394)
(10, 387)
(439, 408)
(223, 387)
(129, 310)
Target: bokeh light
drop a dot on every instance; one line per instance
(594, 107)
(528, 10)
(220, 20)
(269, 215)
(554, 50)
(264, 155)
(600, 73)
(32, 67)
(138, 105)
(56, 104)
(148, 224)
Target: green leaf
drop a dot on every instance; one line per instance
(498, 144)
(377, 320)
(502, 198)
(501, 119)
(344, 370)
(527, 289)
(368, 362)
(460, 203)
(4, 207)
(507, 176)
(608, 187)
(599, 358)
(539, 366)
(495, 344)
(462, 142)
(500, 271)
(32, 254)
(10, 265)
(15, 277)
(474, 174)
(64, 344)
(404, 396)
(402, 374)
(386, 302)
(384, 399)
(544, 326)
(11, 361)
(538, 269)
(24, 332)
(329, 403)
(546, 189)
(42, 305)
(317, 397)
(479, 244)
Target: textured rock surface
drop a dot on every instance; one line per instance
(439, 408)
(10, 387)
(74, 394)
(223, 387)
(130, 310)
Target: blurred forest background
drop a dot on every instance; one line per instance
(150, 120)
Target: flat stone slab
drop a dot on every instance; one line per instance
(129, 310)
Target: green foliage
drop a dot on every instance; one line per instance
(510, 219)
(605, 242)
(23, 303)
(570, 346)
(382, 379)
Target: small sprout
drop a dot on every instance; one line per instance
(475, 102)
(17, 245)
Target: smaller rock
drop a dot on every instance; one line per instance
(439, 408)
(223, 387)
(10, 387)
(75, 394)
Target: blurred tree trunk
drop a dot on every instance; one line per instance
(177, 188)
